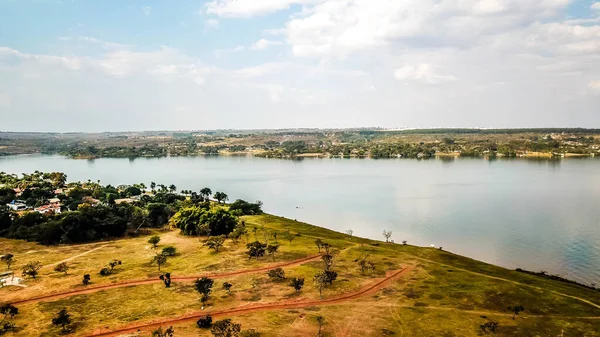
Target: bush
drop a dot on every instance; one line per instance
(256, 249)
(204, 322)
(169, 251)
(277, 273)
(246, 208)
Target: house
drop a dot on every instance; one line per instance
(54, 201)
(52, 208)
(17, 205)
(124, 200)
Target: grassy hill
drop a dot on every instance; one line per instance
(436, 294)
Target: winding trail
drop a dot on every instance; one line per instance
(291, 304)
(89, 290)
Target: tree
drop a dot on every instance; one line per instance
(328, 260)
(159, 259)
(221, 197)
(277, 273)
(272, 249)
(297, 283)
(169, 251)
(319, 244)
(172, 188)
(204, 322)
(288, 236)
(350, 233)
(320, 321)
(326, 246)
(516, 310)
(488, 327)
(154, 240)
(225, 328)
(246, 208)
(227, 287)
(250, 333)
(256, 249)
(321, 281)
(8, 259)
(205, 193)
(237, 233)
(214, 242)
(169, 332)
(387, 235)
(153, 186)
(31, 269)
(166, 278)
(86, 279)
(9, 312)
(204, 285)
(63, 319)
(111, 266)
(62, 267)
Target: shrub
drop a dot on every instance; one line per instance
(277, 273)
(204, 322)
(169, 251)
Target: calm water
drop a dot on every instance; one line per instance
(538, 215)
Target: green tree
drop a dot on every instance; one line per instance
(206, 193)
(214, 242)
(169, 251)
(319, 244)
(8, 259)
(9, 312)
(62, 267)
(489, 327)
(297, 283)
(256, 249)
(328, 260)
(277, 273)
(272, 249)
(204, 287)
(154, 240)
(225, 328)
(221, 197)
(63, 319)
(31, 269)
(288, 236)
(160, 259)
(172, 188)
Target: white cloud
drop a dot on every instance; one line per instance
(596, 5)
(341, 27)
(211, 23)
(264, 44)
(147, 10)
(247, 8)
(260, 70)
(423, 73)
(220, 52)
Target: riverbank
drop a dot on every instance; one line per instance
(438, 293)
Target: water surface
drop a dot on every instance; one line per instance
(533, 214)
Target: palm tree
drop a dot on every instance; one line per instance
(153, 186)
(172, 188)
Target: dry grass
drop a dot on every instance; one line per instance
(444, 295)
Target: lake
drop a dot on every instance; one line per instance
(533, 214)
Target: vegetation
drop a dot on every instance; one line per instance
(31, 269)
(169, 332)
(436, 294)
(154, 240)
(62, 267)
(63, 319)
(225, 328)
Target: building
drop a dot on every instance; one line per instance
(51, 208)
(17, 205)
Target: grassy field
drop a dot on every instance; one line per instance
(441, 294)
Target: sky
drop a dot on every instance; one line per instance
(114, 65)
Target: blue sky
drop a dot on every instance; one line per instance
(136, 65)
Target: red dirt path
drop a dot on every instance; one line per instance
(370, 289)
(88, 290)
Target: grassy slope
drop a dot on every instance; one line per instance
(444, 295)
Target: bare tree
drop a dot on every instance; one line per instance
(387, 235)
